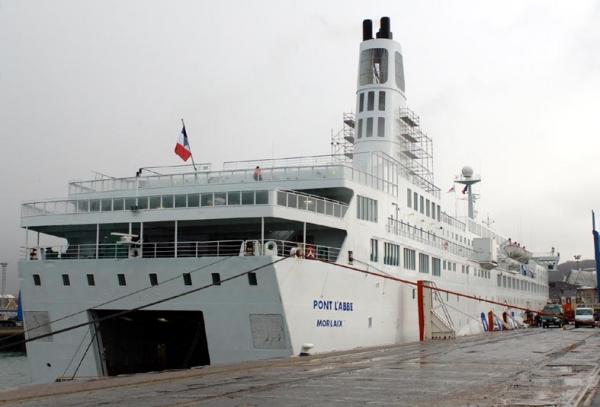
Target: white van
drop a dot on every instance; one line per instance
(584, 316)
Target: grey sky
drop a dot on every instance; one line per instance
(509, 87)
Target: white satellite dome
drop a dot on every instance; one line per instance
(467, 171)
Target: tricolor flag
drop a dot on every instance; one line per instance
(182, 149)
(451, 189)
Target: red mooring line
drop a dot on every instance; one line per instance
(472, 297)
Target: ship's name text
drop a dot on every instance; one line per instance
(329, 323)
(332, 305)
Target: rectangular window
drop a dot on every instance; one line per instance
(361, 102)
(439, 218)
(82, 206)
(233, 198)
(180, 201)
(359, 128)
(207, 199)
(66, 280)
(155, 202)
(427, 207)
(247, 197)
(142, 202)
(370, 101)
(369, 127)
(416, 201)
(121, 279)
(252, 279)
(444, 265)
(422, 203)
(409, 198)
(374, 249)
(382, 101)
(366, 208)
(167, 201)
(462, 269)
(499, 280)
(453, 266)
(435, 267)
(433, 210)
(216, 278)
(37, 280)
(130, 203)
(153, 279)
(91, 280)
(220, 198)
(391, 254)
(118, 204)
(187, 279)
(423, 263)
(262, 197)
(381, 127)
(409, 259)
(94, 205)
(106, 205)
(373, 66)
(193, 200)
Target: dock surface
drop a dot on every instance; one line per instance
(531, 367)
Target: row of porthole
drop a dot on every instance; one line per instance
(153, 277)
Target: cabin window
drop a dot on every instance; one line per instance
(94, 205)
(187, 279)
(193, 200)
(361, 102)
(422, 203)
(381, 101)
(371, 101)
(66, 280)
(167, 201)
(416, 201)
(207, 199)
(359, 128)
(142, 202)
(380, 126)
(121, 279)
(91, 280)
(427, 207)
(423, 263)
(180, 201)
(374, 250)
(252, 279)
(435, 267)
(369, 127)
(220, 198)
(83, 206)
(155, 202)
(262, 197)
(118, 204)
(37, 279)
(399, 71)
(373, 67)
(453, 266)
(409, 198)
(439, 218)
(409, 259)
(233, 198)
(391, 254)
(247, 197)
(153, 279)
(216, 278)
(106, 205)
(433, 210)
(130, 203)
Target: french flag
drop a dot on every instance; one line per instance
(182, 149)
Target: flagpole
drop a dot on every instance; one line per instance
(191, 154)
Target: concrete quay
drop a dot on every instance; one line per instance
(530, 367)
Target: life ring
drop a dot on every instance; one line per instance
(310, 252)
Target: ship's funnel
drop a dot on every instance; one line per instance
(385, 28)
(367, 30)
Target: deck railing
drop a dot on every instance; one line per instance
(401, 228)
(291, 199)
(155, 250)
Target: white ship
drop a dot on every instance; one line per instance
(319, 244)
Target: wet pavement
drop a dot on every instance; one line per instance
(532, 367)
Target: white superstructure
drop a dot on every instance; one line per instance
(303, 228)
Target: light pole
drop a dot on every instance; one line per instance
(577, 257)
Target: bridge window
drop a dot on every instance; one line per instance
(391, 254)
(262, 197)
(167, 201)
(361, 102)
(180, 201)
(435, 266)
(371, 101)
(369, 127)
(423, 263)
(382, 101)
(366, 208)
(380, 126)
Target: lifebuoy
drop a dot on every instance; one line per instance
(310, 252)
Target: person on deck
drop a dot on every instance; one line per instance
(257, 174)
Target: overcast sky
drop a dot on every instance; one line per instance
(510, 87)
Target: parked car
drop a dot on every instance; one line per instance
(584, 316)
(553, 314)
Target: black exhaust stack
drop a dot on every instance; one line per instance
(385, 28)
(367, 30)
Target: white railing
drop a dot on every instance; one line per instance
(291, 199)
(449, 220)
(154, 250)
(401, 228)
(304, 161)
